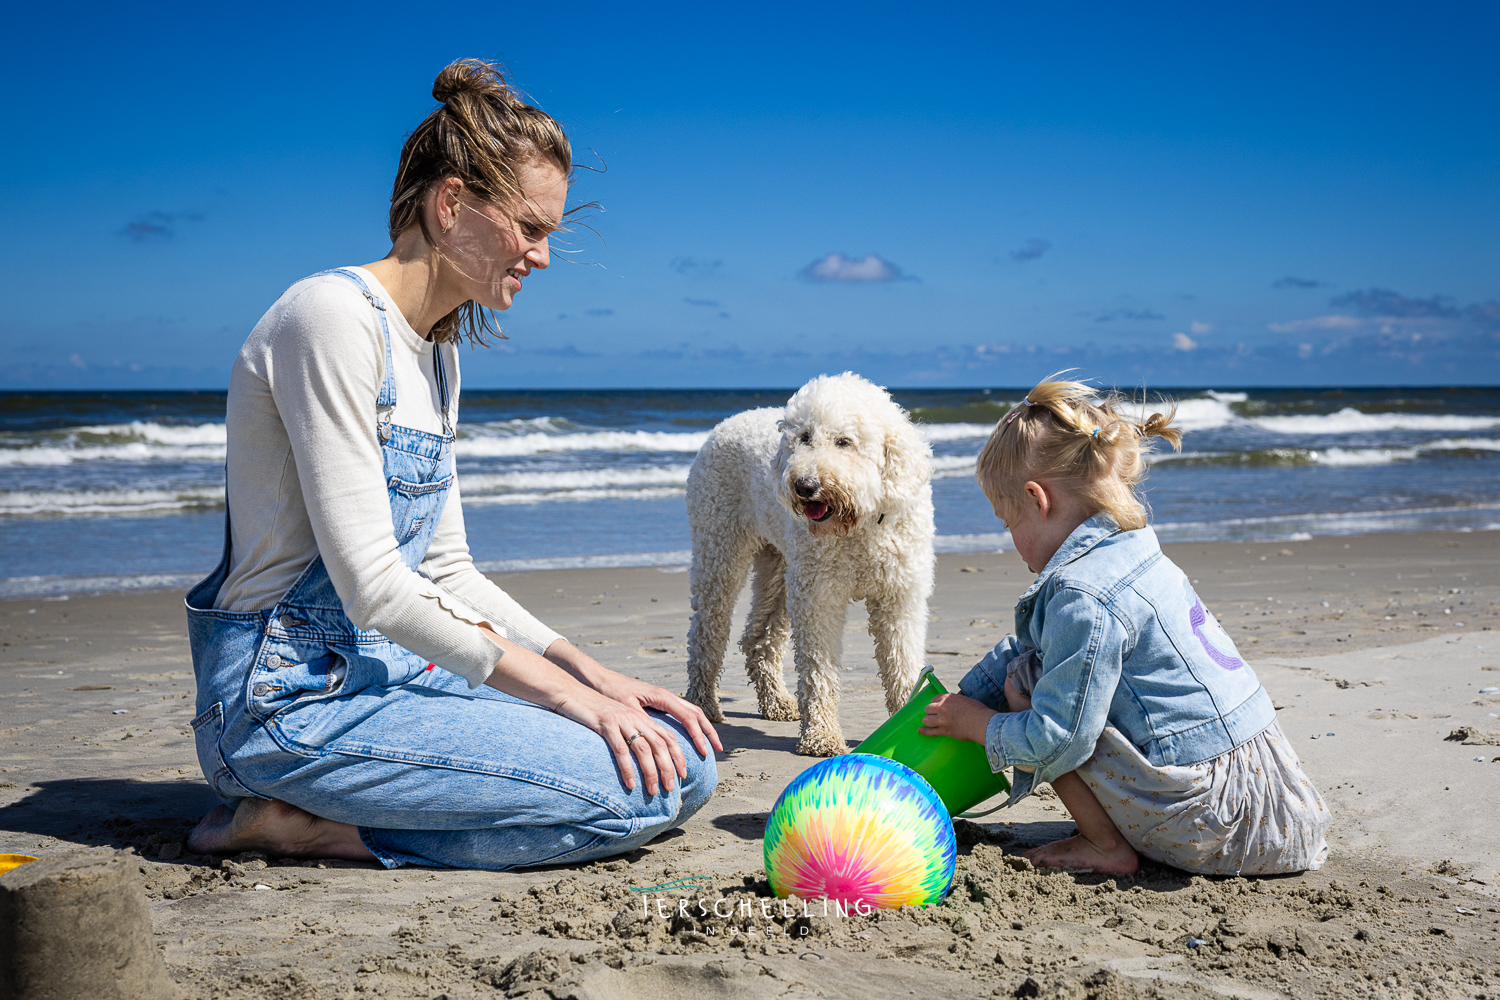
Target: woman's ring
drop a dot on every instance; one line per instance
(637, 736)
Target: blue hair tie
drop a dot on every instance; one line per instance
(1095, 434)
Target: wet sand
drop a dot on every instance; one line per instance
(96, 696)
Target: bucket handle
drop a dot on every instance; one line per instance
(928, 670)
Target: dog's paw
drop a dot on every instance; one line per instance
(822, 745)
(710, 707)
(779, 709)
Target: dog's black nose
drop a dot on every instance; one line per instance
(805, 488)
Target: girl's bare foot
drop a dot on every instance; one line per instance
(1079, 852)
(278, 829)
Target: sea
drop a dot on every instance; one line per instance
(106, 491)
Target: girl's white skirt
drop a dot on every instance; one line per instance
(1250, 811)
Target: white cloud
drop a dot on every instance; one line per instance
(1182, 342)
(1304, 350)
(837, 268)
(1199, 328)
(1334, 322)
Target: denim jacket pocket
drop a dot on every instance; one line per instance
(208, 734)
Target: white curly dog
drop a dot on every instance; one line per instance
(830, 500)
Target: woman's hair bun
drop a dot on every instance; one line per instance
(469, 76)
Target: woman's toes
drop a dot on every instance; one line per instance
(211, 832)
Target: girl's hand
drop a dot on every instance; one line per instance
(629, 733)
(958, 716)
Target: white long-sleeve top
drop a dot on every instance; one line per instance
(306, 478)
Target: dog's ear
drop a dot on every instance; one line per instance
(908, 462)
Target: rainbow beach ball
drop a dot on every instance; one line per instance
(860, 829)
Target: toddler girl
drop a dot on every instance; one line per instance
(1119, 687)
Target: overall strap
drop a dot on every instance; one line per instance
(441, 371)
(385, 403)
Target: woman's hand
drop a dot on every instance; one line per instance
(636, 693)
(629, 732)
(569, 682)
(630, 691)
(958, 716)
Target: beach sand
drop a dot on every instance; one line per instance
(1358, 640)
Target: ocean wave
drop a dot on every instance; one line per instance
(953, 466)
(475, 484)
(136, 453)
(1259, 457)
(573, 496)
(36, 503)
(1300, 527)
(152, 432)
(614, 441)
(1352, 421)
(137, 441)
(935, 433)
(1194, 414)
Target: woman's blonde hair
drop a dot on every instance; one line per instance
(1066, 434)
(482, 132)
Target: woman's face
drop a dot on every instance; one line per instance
(491, 249)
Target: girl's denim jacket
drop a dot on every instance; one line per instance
(1124, 642)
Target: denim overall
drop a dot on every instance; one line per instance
(296, 703)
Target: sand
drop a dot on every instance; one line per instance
(1382, 676)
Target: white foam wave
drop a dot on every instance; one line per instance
(1352, 421)
(1362, 456)
(40, 502)
(954, 432)
(1228, 397)
(953, 466)
(154, 433)
(1197, 414)
(678, 557)
(52, 586)
(617, 441)
(1384, 456)
(645, 493)
(481, 483)
(988, 542)
(1472, 516)
(135, 452)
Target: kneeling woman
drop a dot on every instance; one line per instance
(363, 691)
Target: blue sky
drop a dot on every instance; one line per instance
(1177, 193)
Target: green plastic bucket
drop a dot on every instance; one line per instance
(958, 770)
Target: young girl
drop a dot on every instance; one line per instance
(1119, 687)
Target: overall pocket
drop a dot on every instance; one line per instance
(415, 510)
(208, 734)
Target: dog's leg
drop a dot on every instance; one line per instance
(818, 639)
(720, 565)
(898, 624)
(766, 633)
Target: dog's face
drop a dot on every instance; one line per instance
(848, 454)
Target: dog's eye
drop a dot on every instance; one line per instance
(806, 437)
(844, 443)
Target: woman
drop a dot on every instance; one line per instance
(363, 691)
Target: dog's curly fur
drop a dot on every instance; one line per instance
(830, 501)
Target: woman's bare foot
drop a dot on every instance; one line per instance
(1080, 853)
(278, 829)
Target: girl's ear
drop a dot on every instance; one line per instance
(1039, 495)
